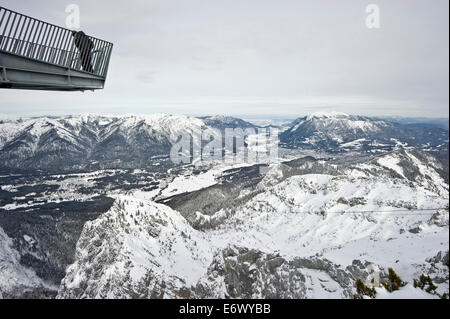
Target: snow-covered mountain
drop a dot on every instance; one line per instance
(338, 132)
(75, 142)
(222, 122)
(296, 234)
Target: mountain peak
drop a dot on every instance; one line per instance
(339, 132)
(320, 115)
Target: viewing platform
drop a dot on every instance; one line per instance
(36, 55)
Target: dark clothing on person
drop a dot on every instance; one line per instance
(85, 47)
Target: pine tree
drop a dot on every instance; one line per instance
(363, 290)
(394, 283)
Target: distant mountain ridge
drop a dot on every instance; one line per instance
(92, 141)
(111, 141)
(420, 121)
(340, 132)
(222, 122)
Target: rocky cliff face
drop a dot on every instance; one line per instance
(137, 249)
(18, 281)
(238, 272)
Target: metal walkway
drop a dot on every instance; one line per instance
(37, 55)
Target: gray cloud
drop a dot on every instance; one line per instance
(256, 58)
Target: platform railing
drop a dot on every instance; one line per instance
(45, 42)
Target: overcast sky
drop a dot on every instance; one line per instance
(255, 58)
